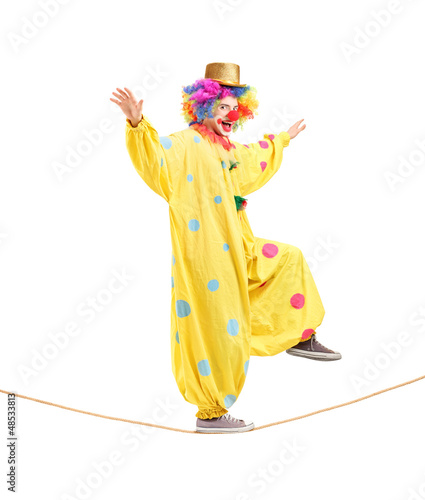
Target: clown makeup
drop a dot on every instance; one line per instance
(225, 116)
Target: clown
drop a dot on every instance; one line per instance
(233, 295)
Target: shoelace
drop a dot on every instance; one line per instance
(317, 342)
(228, 417)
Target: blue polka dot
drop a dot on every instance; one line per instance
(190, 177)
(204, 367)
(232, 327)
(245, 367)
(217, 199)
(194, 225)
(212, 285)
(177, 338)
(225, 247)
(197, 139)
(229, 400)
(166, 142)
(182, 308)
(223, 164)
(174, 260)
(162, 161)
(172, 282)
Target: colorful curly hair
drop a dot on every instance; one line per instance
(203, 97)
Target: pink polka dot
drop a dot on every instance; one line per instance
(263, 165)
(263, 144)
(307, 333)
(297, 300)
(246, 145)
(271, 136)
(269, 250)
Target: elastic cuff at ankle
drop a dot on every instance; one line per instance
(211, 412)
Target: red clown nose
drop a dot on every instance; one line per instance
(233, 115)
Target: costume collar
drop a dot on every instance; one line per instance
(206, 132)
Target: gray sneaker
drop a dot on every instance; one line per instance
(313, 349)
(225, 423)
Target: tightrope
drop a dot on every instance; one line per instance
(195, 432)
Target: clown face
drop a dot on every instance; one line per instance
(225, 117)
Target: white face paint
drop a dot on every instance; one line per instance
(221, 124)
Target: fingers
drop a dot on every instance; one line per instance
(298, 130)
(123, 94)
(117, 95)
(297, 125)
(130, 93)
(295, 130)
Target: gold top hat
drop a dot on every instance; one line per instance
(224, 73)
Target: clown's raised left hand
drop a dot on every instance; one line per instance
(294, 130)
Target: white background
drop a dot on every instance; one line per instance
(358, 82)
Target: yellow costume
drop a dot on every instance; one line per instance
(233, 295)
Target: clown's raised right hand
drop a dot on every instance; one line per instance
(129, 105)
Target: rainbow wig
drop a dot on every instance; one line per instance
(204, 96)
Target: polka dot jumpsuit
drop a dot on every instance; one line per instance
(233, 295)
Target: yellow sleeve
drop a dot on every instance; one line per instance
(259, 161)
(156, 159)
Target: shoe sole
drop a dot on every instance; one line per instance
(212, 430)
(315, 355)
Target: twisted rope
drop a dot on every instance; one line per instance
(195, 432)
